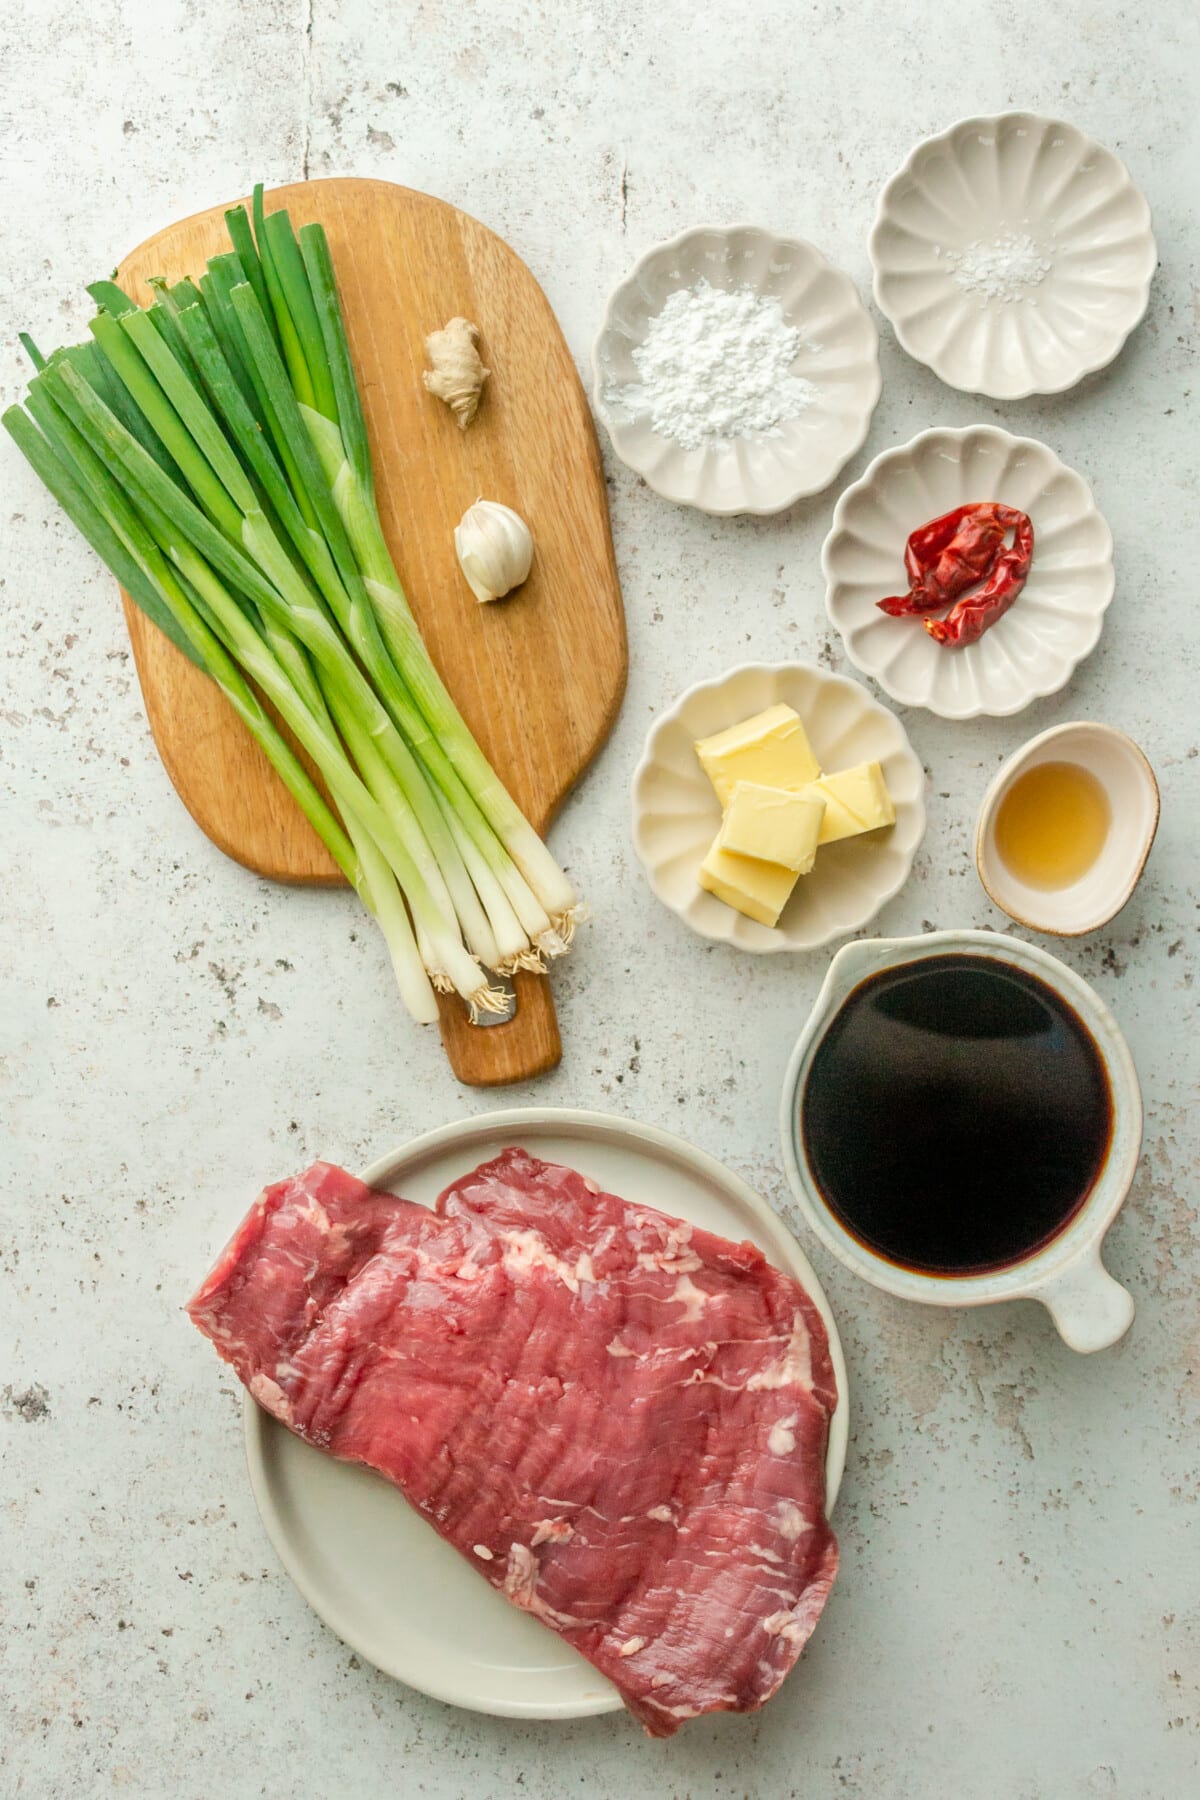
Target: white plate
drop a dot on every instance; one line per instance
(1068, 204)
(1052, 625)
(374, 1570)
(676, 813)
(839, 354)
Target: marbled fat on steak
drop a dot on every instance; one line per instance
(620, 1420)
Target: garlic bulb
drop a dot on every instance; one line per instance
(494, 549)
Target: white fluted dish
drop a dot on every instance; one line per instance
(839, 355)
(676, 813)
(1053, 624)
(1014, 176)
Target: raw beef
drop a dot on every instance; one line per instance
(619, 1420)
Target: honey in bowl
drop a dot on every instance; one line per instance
(1052, 824)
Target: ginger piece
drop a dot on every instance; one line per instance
(458, 374)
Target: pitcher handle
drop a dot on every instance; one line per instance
(1090, 1309)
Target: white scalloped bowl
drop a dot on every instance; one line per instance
(1034, 648)
(839, 355)
(676, 813)
(1013, 177)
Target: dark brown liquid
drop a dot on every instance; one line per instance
(956, 1114)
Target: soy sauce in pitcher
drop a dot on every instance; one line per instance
(956, 1114)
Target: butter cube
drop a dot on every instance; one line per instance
(758, 889)
(771, 748)
(773, 825)
(856, 800)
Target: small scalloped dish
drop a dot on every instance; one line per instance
(1056, 619)
(676, 814)
(991, 200)
(839, 356)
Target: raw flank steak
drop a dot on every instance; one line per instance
(619, 1419)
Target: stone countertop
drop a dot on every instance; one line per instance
(1017, 1614)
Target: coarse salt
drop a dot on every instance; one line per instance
(1002, 269)
(716, 365)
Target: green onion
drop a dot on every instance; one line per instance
(212, 449)
(355, 499)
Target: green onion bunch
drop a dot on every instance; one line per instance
(212, 449)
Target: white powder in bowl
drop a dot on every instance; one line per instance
(715, 366)
(1003, 269)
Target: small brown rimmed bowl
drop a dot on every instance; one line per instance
(1099, 894)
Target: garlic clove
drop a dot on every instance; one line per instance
(494, 547)
(476, 573)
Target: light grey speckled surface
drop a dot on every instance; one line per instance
(1017, 1614)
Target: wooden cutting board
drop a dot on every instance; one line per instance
(539, 677)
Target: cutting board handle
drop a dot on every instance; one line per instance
(526, 1045)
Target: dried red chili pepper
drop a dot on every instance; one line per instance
(953, 553)
(970, 617)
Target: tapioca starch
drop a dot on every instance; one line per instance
(717, 365)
